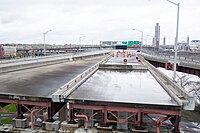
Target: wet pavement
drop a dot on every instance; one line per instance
(124, 87)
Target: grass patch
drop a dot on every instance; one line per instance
(6, 120)
(11, 109)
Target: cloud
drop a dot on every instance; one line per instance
(8, 18)
(25, 21)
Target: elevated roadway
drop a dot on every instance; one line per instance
(6, 61)
(63, 49)
(48, 60)
(122, 88)
(132, 87)
(30, 88)
(187, 63)
(43, 81)
(118, 63)
(194, 62)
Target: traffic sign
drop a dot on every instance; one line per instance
(136, 42)
(130, 43)
(124, 43)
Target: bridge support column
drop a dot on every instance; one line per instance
(20, 121)
(50, 116)
(19, 112)
(139, 119)
(176, 126)
(105, 111)
(71, 114)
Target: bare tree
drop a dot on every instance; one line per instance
(191, 86)
(195, 88)
(183, 80)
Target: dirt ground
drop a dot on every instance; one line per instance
(190, 121)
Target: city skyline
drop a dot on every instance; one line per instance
(25, 21)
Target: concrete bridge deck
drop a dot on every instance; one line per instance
(43, 81)
(124, 87)
(115, 91)
(126, 82)
(118, 90)
(117, 63)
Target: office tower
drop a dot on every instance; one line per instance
(157, 35)
(188, 40)
(164, 41)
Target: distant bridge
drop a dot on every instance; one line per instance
(63, 49)
(188, 62)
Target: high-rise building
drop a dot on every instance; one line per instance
(164, 41)
(153, 41)
(188, 40)
(157, 35)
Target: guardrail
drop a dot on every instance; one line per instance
(179, 59)
(2, 61)
(32, 58)
(50, 61)
(181, 96)
(68, 88)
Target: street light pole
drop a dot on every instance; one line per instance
(80, 40)
(44, 34)
(141, 39)
(176, 39)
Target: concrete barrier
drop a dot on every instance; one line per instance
(38, 63)
(31, 65)
(193, 65)
(122, 67)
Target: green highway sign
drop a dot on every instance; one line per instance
(130, 43)
(125, 43)
(136, 42)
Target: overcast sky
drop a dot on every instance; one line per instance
(25, 21)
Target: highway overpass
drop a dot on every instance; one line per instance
(102, 88)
